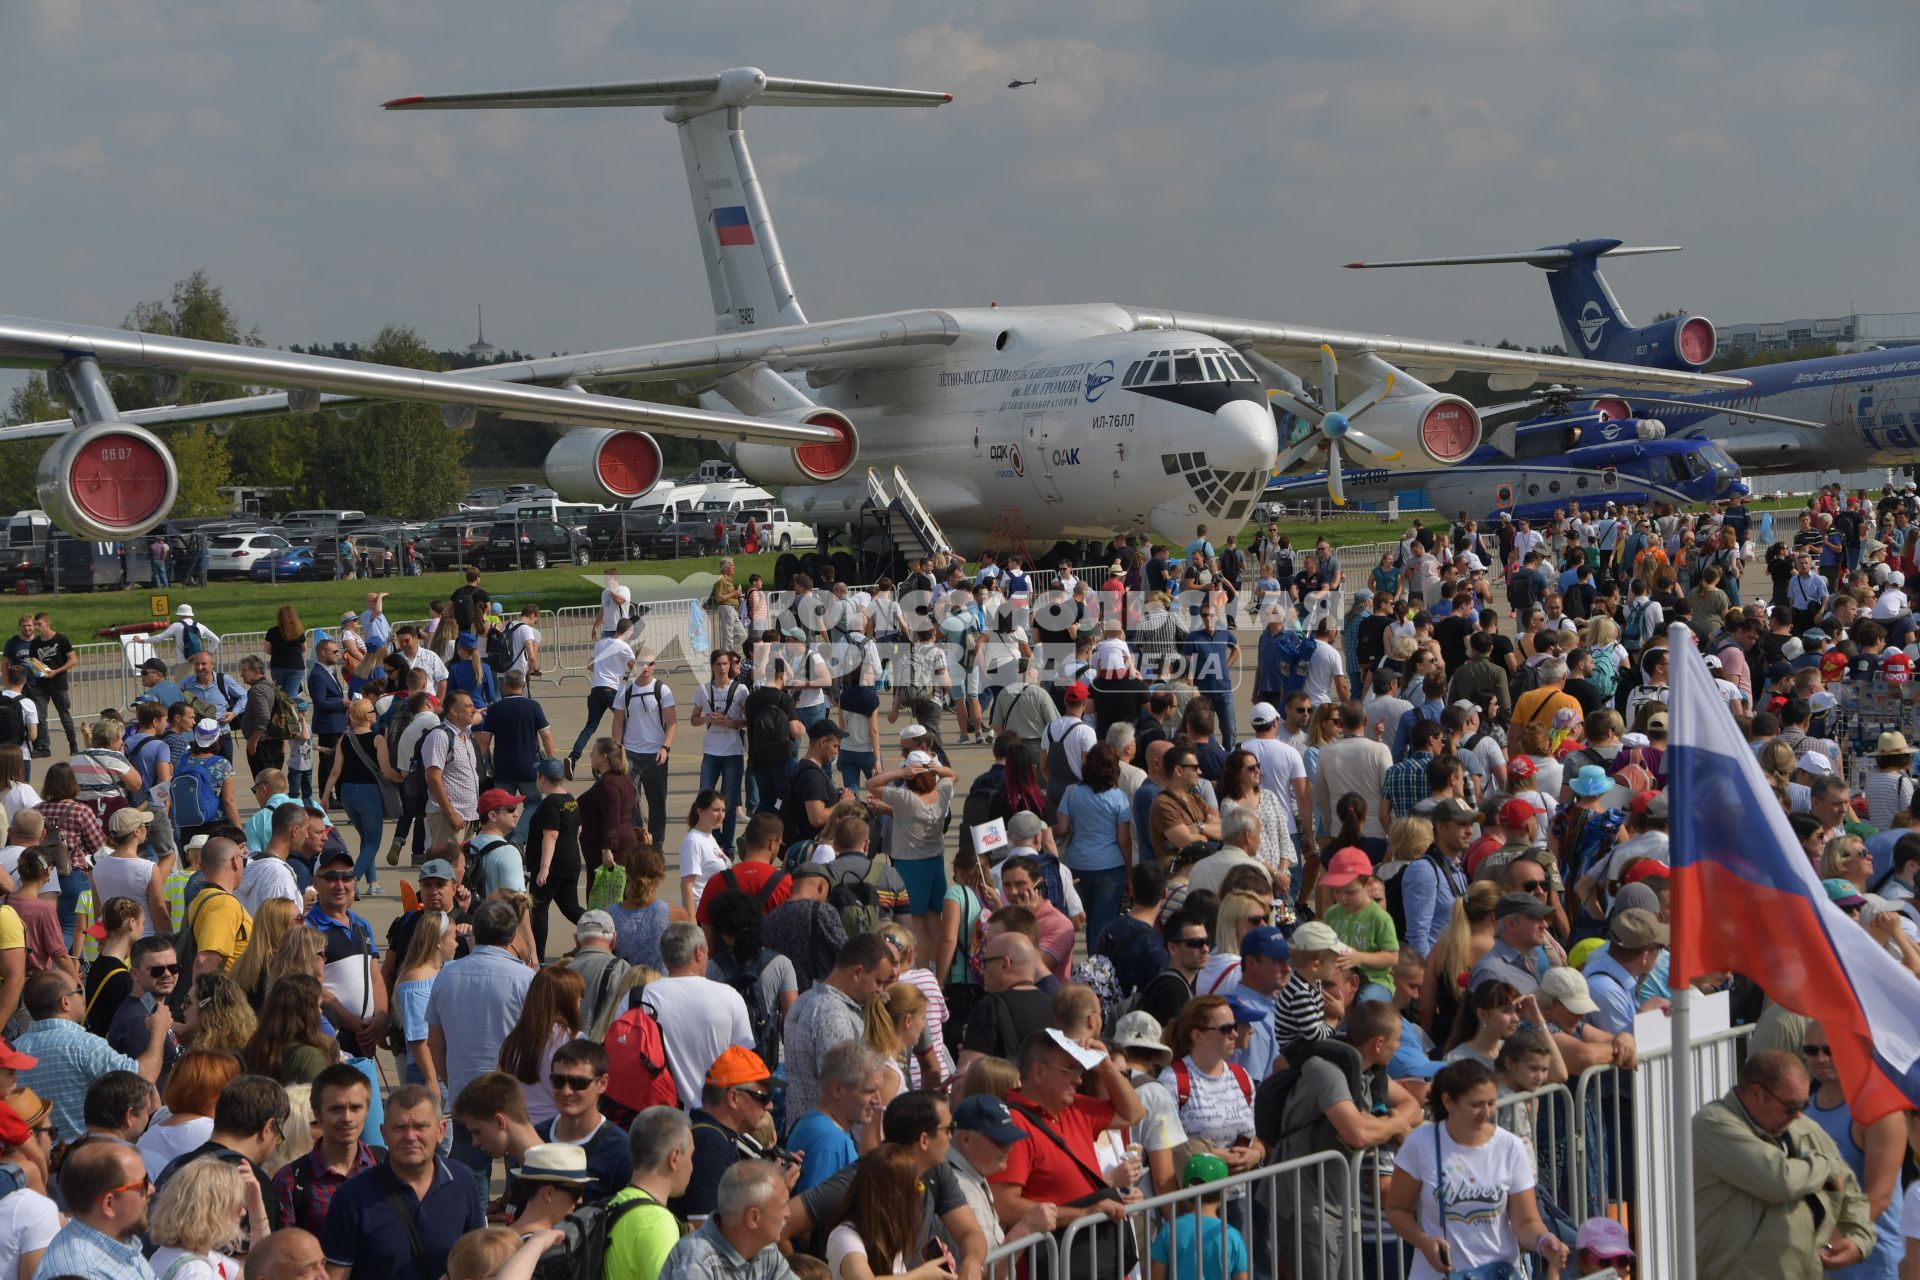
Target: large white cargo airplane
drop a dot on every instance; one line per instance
(1048, 422)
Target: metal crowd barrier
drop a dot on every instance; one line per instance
(1300, 1211)
(1610, 1133)
(1028, 1258)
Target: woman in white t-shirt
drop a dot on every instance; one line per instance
(203, 1210)
(29, 1220)
(1462, 1191)
(1215, 1096)
(16, 793)
(874, 1232)
(701, 857)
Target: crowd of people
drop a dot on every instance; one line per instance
(882, 1013)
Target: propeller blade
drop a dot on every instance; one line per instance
(1377, 448)
(1367, 399)
(1299, 453)
(1329, 376)
(1334, 488)
(1297, 406)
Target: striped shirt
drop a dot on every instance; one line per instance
(1299, 1013)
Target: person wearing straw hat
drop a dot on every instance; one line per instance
(553, 1177)
(1889, 788)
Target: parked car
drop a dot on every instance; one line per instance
(778, 532)
(613, 535)
(533, 544)
(297, 563)
(79, 566)
(448, 544)
(232, 555)
(671, 539)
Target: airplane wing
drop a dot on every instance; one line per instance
(515, 390)
(1433, 361)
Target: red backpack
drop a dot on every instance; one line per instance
(637, 1075)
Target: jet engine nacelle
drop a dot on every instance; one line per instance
(593, 464)
(771, 464)
(1678, 342)
(108, 481)
(1427, 428)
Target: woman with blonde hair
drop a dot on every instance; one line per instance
(301, 950)
(219, 1015)
(434, 941)
(1467, 937)
(1241, 912)
(549, 1018)
(995, 1077)
(894, 1022)
(270, 925)
(286, 646)
(207, 1207)
(1778, 762)
(900, 942)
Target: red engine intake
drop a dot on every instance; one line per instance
(1696, 341)
(1449, 430)
(107, 482)
(592, 464)
(1611, 407)
(772, 464)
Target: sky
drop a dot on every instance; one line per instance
(1224, 156)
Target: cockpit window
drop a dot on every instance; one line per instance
(1208, 364)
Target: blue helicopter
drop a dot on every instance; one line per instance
(1529, 469)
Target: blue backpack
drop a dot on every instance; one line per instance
(195, 800)
(190, 642)
(1296, 650)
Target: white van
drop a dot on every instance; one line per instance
(568, 513)
(341, 519)
(28, 528)
(674, 501)
(730, 497)
(713, 471)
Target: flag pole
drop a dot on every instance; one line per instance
(1681, 997)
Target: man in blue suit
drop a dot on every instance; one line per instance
(329, 708)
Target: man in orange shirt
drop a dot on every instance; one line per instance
(1546, 699)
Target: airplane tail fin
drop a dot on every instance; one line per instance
(746, 271)
(1591, 318)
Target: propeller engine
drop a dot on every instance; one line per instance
(1444, 427)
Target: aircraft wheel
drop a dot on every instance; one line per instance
(783, 570)
(844, 567)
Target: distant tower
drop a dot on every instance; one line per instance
(482, 351)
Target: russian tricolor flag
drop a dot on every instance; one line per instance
(1746, 899)
(732, 226)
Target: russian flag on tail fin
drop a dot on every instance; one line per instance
(731, 225)
(1746, 899)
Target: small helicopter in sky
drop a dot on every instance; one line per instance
(1015, 84)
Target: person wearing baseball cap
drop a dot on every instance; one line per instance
(1515, 832)
(439, 890)
(1361, 924)
(1518, 956)
(501, 864)
(734, 1098)
(1064, 743)
(1636, 938)
(984, 1136)
(1602, 1244)
(1430, 884)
